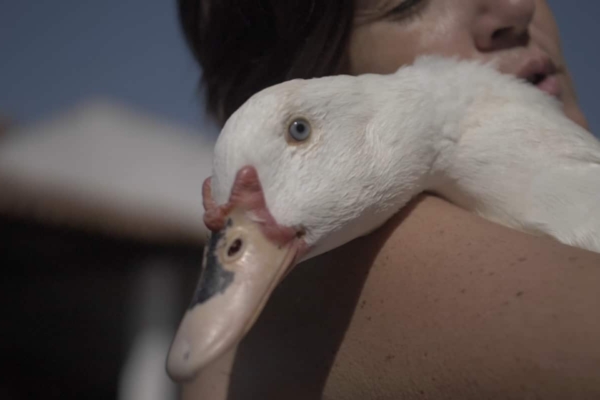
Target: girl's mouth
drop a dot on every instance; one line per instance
(546, 83)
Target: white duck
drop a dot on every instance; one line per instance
(308, 165)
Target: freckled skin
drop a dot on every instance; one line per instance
(397, 293)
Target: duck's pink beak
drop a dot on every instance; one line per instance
(247, 256)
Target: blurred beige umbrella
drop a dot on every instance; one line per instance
(103, 166)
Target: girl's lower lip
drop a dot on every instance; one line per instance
(550, 85)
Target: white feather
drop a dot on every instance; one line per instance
(487, 142)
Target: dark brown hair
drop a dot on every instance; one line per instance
(245, 46)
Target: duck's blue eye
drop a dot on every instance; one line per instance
(299, 129)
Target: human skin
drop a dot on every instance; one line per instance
(439, 303)
(510, 33)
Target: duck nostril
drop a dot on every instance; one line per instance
(300, 233)
(234, 248)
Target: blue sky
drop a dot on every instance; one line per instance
(58, 52)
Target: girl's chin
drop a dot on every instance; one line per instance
(574, 113)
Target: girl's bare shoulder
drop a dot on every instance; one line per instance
(437, 302)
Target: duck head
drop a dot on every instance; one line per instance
(298, 170)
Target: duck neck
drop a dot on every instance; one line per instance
(416, 124)
(542, 180)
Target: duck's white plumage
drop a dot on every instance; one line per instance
(487, 142)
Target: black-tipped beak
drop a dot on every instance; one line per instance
(240, 270)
